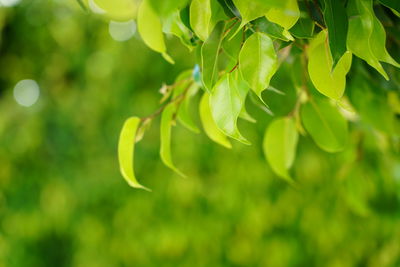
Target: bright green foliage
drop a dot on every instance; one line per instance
(210, 54)
(204, 14)
(167, 121)
(258, 62)
(328, 82)
(325, 124)
(126, 147)
(286, 15)
(280, 144)
(289, 58)
(227, 101)
(150, 29)
(367, 37)
(209, 125)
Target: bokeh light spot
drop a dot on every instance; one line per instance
(122, 31)
(26, 92)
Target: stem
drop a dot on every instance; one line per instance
(178, 99)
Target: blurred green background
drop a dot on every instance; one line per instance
(64, 203)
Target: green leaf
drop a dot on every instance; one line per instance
(164, 8)
(250, 10)
(258, 62)
(184, 110)
(172, 24)
(272, 29)
(210, 53)
(336, 20)
(150, 29)
(304, 28)
(226, 103)
(393, 4)
(285, 16)
(329, 83)
(167, 120)
(325, 124)
(204, 15)
(366, 37)
(126, 148)
(209, 125)
(280, 142)
(120, 10)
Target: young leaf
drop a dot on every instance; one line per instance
(200, 18)
(184, 116)
(167, 118)
(272, 29)
(258, 62)
(210, 52)
(204, 14)
(329, 83)
(366, 37)
(250, 10)
(325, 124)
(336, 20)
(209, 124)
(150, 29)
(172, 24)
(226, 103)
(280, 142)
(285, 16)
(126, 148)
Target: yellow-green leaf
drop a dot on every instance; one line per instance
(366, 37)
(150, 29)
(258, 62)
(210, 53)
(226, 103)
(126, 147)
(280, 142)
(285, 16)
(325, 124)
(329, 83)
(167, 118)
(209, 125)
(204, 15)
(120, 10)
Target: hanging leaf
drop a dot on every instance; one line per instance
(250, 10)
(336, 20)
(280, 142)
(226, 103)
(210, 53)
(304, 28)
(325, 124)
(393, 4)
(285, 16)
(204, 15)
(272, 29)
(126, 148)
(258, 62)
(329, 83)
(150, 29)
(172, 24)
(366, 36)
(167, 120)
(209, 124)
(120, 10)
(165, 8)
(184, 110)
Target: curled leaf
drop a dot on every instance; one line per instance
(126, 147)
